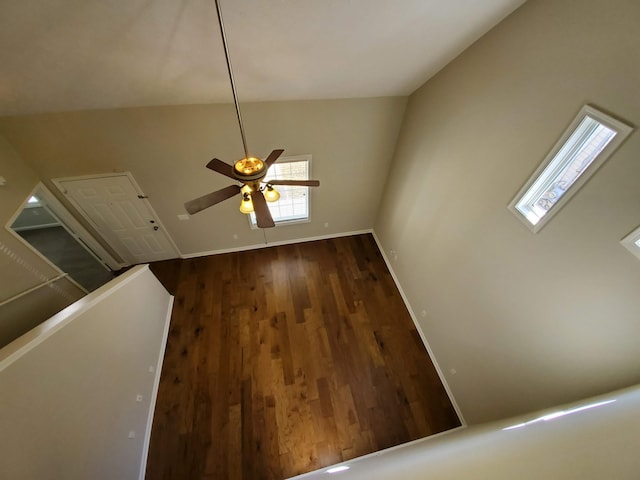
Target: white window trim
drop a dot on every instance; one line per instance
(282, 223)
(622, 132)
(630, 242)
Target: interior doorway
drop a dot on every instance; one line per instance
(41, 224)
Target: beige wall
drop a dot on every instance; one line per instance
(25, 312)
(21, 269)
(526, 320)
(73, 422)
(591, 444)
(167, 148)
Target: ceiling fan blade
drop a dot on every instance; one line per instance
(302, 183)
(205, 201)
(263, 215)
(221, 167)
(273, 156)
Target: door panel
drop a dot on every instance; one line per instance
(125, 220)
(104, 216)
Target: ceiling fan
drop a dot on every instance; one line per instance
(248, 171)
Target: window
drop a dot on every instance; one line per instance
(293, 205)
(632, 242)
(590, 139)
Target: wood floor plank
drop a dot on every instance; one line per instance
(287, 359)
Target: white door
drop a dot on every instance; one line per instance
(121, 215)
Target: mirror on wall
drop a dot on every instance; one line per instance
(41, 227)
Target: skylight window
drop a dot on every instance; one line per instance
(632, 242)
(293, 205)
(583, 148)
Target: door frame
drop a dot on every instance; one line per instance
(58, 182)
(76, 228)
(71, 225)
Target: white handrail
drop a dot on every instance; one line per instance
(33, 289)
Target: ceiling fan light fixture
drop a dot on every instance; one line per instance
(248, 166)
(271, 194)
(246, 205)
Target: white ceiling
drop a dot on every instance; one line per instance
(81, 54)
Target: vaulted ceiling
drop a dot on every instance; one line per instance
(63, 55)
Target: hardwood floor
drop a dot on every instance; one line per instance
(287, 359)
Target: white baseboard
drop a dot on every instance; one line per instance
(420, 332)
(154, 392)
(274, 244)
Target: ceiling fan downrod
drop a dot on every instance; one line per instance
(233, 84)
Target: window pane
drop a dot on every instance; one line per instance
(632, 242)
(579, 151)
(590, 139)
(294, 201)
